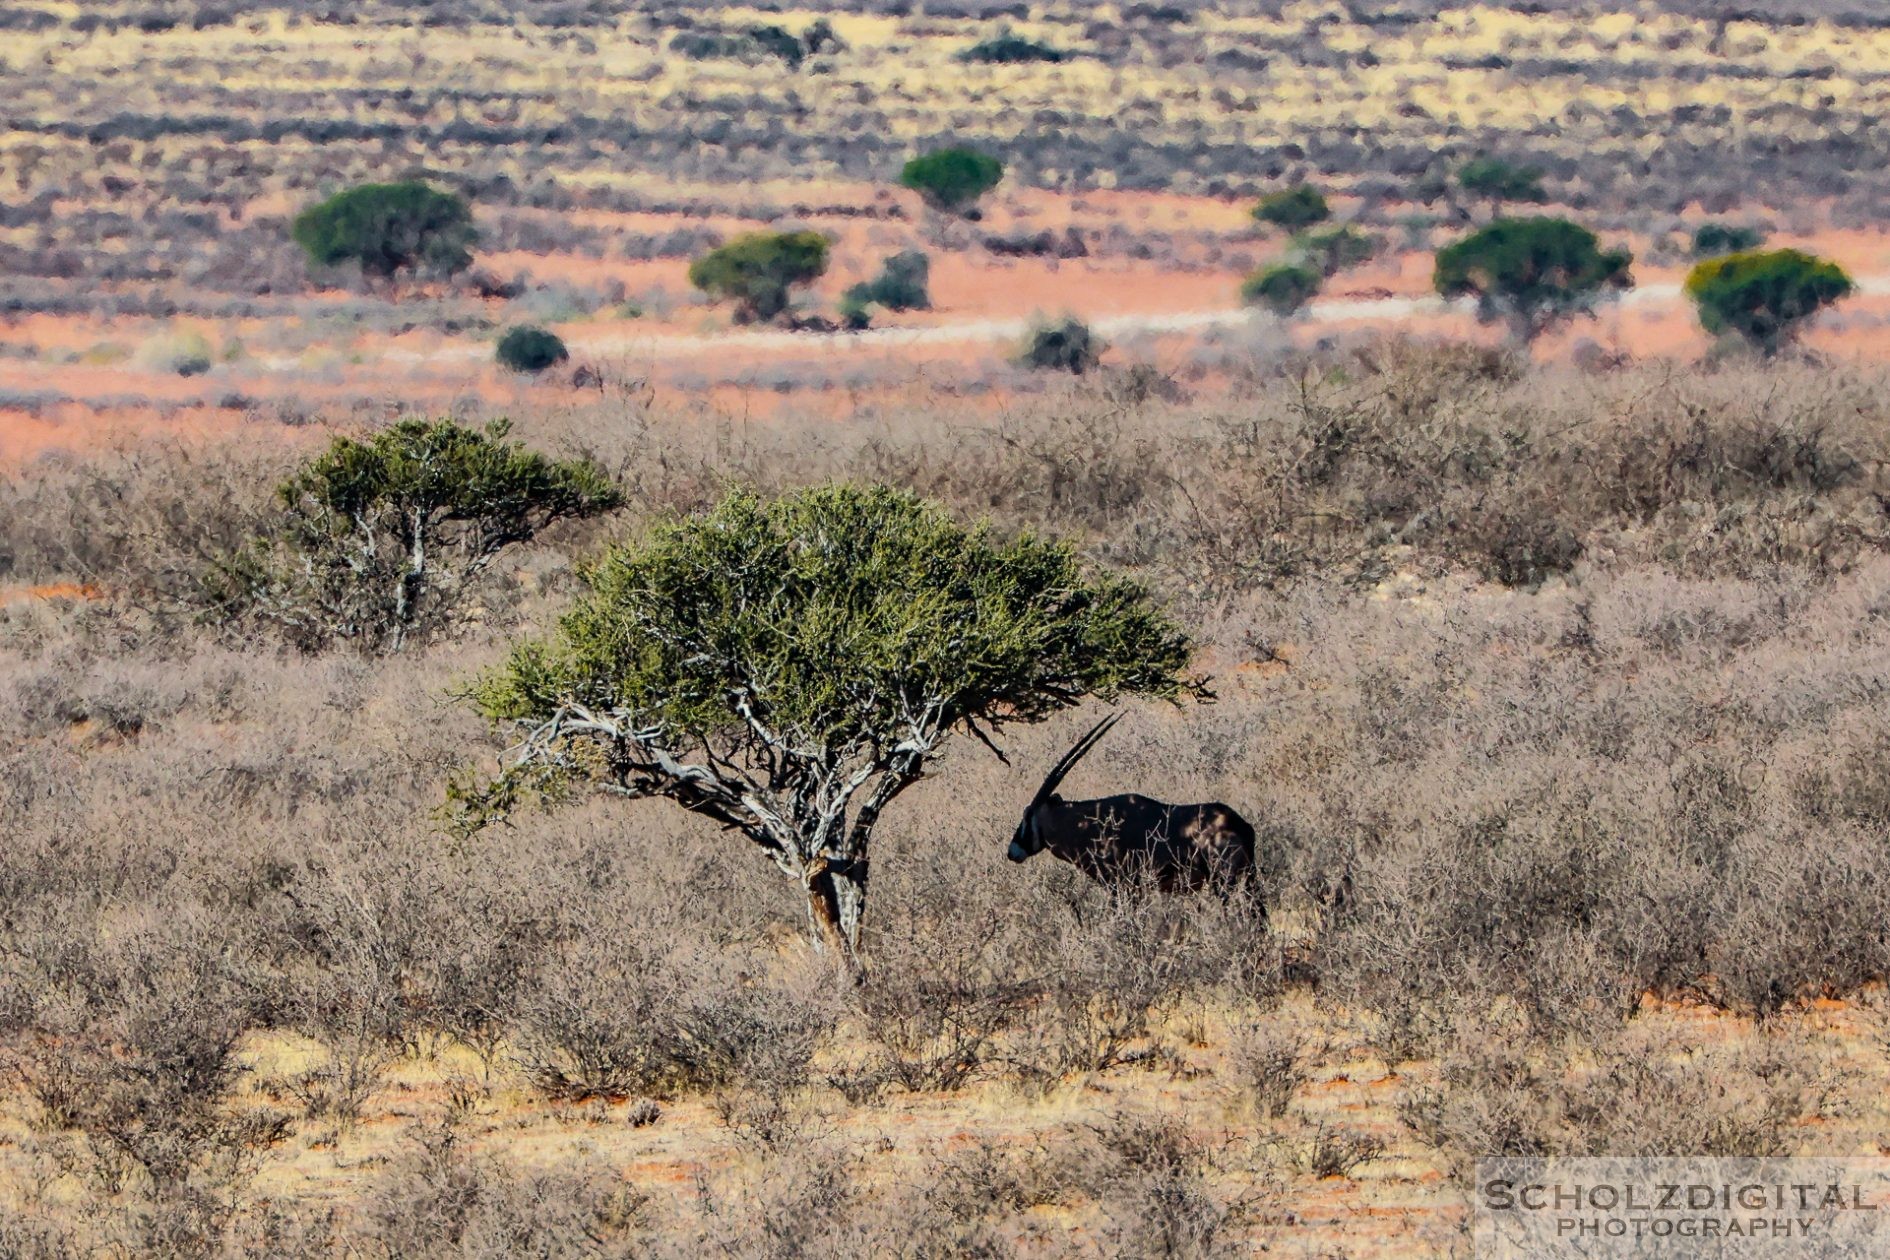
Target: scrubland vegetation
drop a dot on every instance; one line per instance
(1553, 691)
(1555, 699)
(156, 152)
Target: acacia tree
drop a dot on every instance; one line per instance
(1531, 273)
(1764, 296)
(380, 539)
(389, 228)
(788, 667)
(952, 180)
(757, 270)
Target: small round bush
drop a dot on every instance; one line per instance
(1294, 208)
(1497, 180)
(1711, 240)
(1065, 346)
(528, 349)
(1283, 289)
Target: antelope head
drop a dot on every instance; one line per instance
(1032, 834)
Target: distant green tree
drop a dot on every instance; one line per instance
(1497, 180)
(380, 540)
(856, 311)
(900, 284)
(778, 42)
(1531, 273)
(1282, 289)
(1335, 249)
(952, 180)
(1295, 209)
(1067, 345)
(1710, 240)
(1008, 48)
(757, 270)
(389, 228)
(788, 667)
(1765, 296)
(530, 349)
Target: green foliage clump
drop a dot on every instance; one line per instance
(530, 349)
(952, 180)
(388, 228)
(1531, 272)
(1496, 180)
(1710, 240)
(1764, 296)
(1332, 250)
(756, 44)
(380, 540)
(756, 270)
(779, 42)
(1065, 346)
(902, 283)
(1294, 209)
(1282, 289)
(1008, 49)
(788, 666)
(856, 311)
(899, 286)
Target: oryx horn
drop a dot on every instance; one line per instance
(1076, 754)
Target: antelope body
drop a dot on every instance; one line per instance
(1117, 839)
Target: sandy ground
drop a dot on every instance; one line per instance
(73, 383)
(1402, 1202)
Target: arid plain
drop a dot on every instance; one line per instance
(1569, 659)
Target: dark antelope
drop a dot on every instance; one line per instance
(1117, 839)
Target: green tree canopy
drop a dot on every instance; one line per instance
(1710, 240)
(389, 228)
(1334, 249)
(952, 180)
(527, 348)
(380, 539)
(1497, 180)
(1294, 209)
(1008, 48)
(901, 284)
(1764, 296)
(788, 666)
(1282, 289)
(757, 270)
(1531, 273)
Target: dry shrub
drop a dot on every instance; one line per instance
(444, 1201)
(1338, 1152)
(1636, 1092)
(1110, 965)
(1155, 1187)
(1269, 1062)
(132, 1050)
(944, 986)
(807, 1200)
(1665, 772)
(618, 1010)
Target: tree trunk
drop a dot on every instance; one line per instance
(836, 900)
